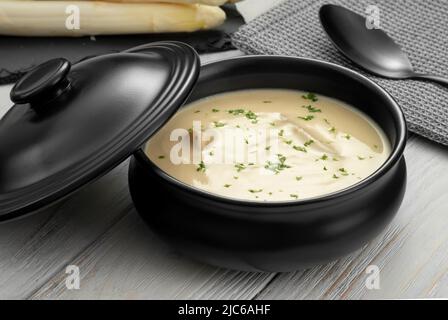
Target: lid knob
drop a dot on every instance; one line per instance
(42, 83)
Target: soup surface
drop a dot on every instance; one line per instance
(269, 145)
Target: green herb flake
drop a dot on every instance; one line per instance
(343, 171)
(288, 142)
(281, 133)
(325, 169)
(215, 110)
(299, 148)
(255, 190)
(227, 185)
(211, 153)
(347, 136)
(307, 118)
(335, 176)
(310, 96)
(267, 101)
(279, 166)
(312, 109)
(240, 167)
(236, 112)
(299, 178)
(332, 130)
(218, 124)
(268, 148)
(272, 124)
(201, 167)
(295, 196)
(236, 177)
(308, 143)
(324, 157)
(361, 158)
(197, 111)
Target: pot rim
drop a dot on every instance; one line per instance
(393, 159)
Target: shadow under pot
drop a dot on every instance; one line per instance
(277, 236)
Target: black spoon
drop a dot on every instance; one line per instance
(371, 49)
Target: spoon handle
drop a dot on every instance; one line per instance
(438, 79)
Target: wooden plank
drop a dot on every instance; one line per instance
(130, 262)
(34, 248)
(412, 254)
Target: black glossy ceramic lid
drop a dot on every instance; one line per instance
(71, 124)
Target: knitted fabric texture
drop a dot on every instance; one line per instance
(419, 27)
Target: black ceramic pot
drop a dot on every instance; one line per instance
(277, 236)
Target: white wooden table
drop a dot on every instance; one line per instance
(98, 230)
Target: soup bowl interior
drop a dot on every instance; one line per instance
(281, 236)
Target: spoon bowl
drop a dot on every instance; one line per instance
(371, 49)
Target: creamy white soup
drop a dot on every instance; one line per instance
(269, 145)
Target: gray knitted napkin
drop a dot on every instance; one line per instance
(419, 26)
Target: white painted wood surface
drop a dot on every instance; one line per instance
(98, 230)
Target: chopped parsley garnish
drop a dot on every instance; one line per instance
(227, 185)
(295, 196)
(211, 153)
(299, 178)
(324, 157)
(281, 133)
(307, 118)
(268, 148)
(279, 166)
(361, 158)
(335, 159)
(218, 124)
(308, 143)
(236, 112)
(201, 167)
(161, 157)
(326, 121)
(215, 110)
(255, 190)
(197, 111)
(246, 141)
(332, 129)
(235, 177)
(248, 114)
(347, 136)
(240, 166)
(310, 96)
(335, 176)
(299, 148)
(288, 142)
(251, 115)
(272, 124)
(325, 169)
(343, 171)
(312, 109)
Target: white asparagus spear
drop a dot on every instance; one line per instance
(59, 18)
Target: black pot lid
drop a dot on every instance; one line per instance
(71, 124)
